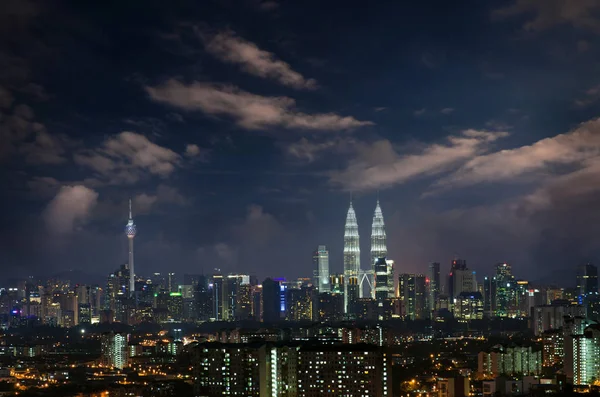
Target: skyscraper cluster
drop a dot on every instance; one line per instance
(379, 277)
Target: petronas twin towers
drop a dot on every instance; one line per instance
(353, 275)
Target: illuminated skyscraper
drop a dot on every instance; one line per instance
(434, 285)
(378, 237)
(114, 350)
(130, 231)
(379, 249)
(351, 258)
(321, 263)
(413, 294)
(587, 280)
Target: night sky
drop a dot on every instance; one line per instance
(240, 129)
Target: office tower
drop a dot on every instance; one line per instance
(271, 300)
(434, 285)
(351, 259)
(457, 264)
(413, 296)
(300, 303)
(114, 350)
(130, 231)
(378, 236)
(380, 268)
(587, 280)
(379, 250)
(505, 291)
(489, 296)
(229, 296)
(465, 280)
(216, 288)
(175, 306)
(171, 282)
(159, 281)
(84, 313)
(331, 307)
(203, 299)
(321, 263)
(468, 306)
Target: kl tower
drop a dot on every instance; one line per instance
(130, 231)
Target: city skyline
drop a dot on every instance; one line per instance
(238, 132)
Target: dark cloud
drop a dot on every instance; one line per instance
(546, 14)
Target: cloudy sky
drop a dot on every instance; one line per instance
(240, 128)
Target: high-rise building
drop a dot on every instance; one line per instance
(380, 268)
(300, 303)
(227, 370)
(114, 350)
(331, 307)
(586, 356)
(553, 348)
(321, 263)
(489, 296)
(379, 249)
(130, 231)
(465, 280)
(291, 369)
(271, 300)
(172, 282)
(216, 291)
(468, 306)
(413, 294)
(505, 291)
(434, 285)
(343, 370)
(351, 259)
(587, 280)
(510, 360)
(457, 264)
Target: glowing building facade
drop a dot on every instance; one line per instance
(114, 350)
(379, 250)
(130, 231)
(321, 263)
(351, 259)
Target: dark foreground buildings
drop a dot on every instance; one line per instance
(291, 370)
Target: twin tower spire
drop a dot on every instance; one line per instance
(352, 270)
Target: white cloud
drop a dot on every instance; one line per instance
(571, 149)
(547, 14)
(229, 47)
(447, 110)
(378, 165)
(248, 110)
(127, 157)
(70, 208)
